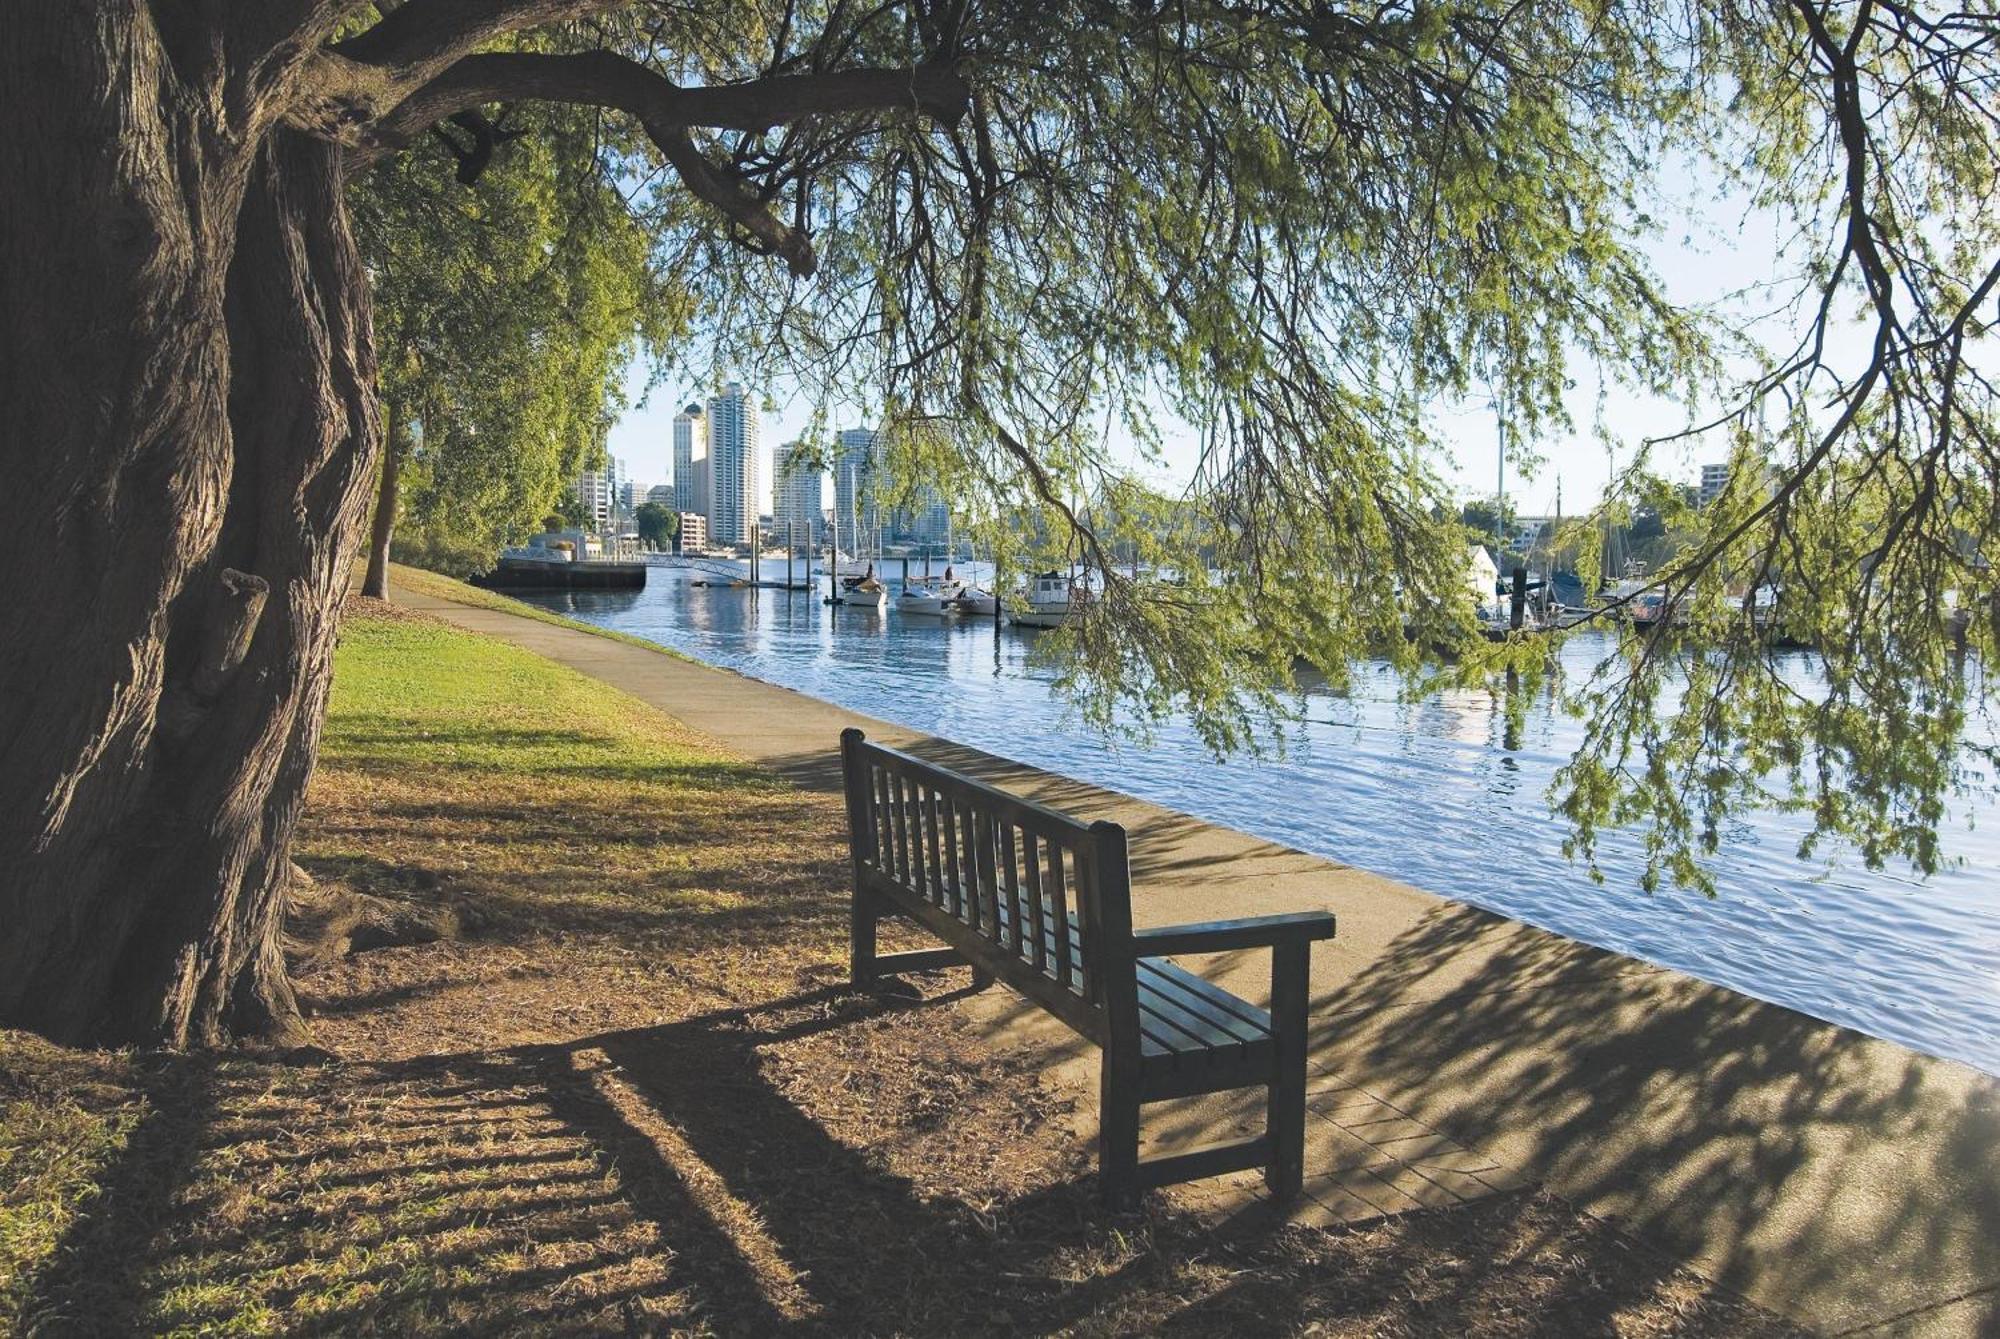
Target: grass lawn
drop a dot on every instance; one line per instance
(592, 1070)
(416, 579)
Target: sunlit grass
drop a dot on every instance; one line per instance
(443, 587)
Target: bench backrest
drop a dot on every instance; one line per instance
(1037, 898)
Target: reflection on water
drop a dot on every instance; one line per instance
(1444, 793)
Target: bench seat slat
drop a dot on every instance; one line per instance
(1203, 1034)
(1243, 1018)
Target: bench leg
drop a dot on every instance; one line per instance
(1118, 1130)
(861, 941)
(1286, 1115)
(981, 978)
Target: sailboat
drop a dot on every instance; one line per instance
(865, 590)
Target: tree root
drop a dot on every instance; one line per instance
(326, 920)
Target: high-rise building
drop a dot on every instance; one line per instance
(734, 482)
(664, 495)
(597, 490)
(691, 460)
(796, 485)
(1714, 478)
(854, 467)
(926, 521)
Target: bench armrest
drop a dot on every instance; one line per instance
(1221, 936)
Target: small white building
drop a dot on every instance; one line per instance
(694, 532)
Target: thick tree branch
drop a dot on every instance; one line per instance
(604, 79)
(667, 111)
(423, 36)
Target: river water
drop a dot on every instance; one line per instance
(1433, 793)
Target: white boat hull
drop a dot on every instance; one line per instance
(865, 599)
(1046, 616)
(979, 604)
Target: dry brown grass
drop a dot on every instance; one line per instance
(635, 1098)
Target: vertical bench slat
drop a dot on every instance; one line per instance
(919, 840)
(954, 885)
(885, 844)
(1038, 921)
(1059, 913)
(969, 868)
(984, 878)
(925, 840)
(1011, 875)
(905, 866)
(941, 850)
(968, 861)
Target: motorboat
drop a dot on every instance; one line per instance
(1649, 609)
(536, 555)
(1052, 600)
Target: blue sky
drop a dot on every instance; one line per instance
(1718, 250)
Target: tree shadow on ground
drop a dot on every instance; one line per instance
(1804, 1163)
(810, 1165)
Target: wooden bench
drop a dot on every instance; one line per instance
(1028, 896)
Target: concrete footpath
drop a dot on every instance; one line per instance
(1848, 1183)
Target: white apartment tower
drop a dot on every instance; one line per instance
(1714, 478)
(691, 482)
(597, 490)
(735, 495)
(795, 495)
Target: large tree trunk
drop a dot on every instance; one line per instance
(188, 404)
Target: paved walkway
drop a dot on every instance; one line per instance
(1846, 1182)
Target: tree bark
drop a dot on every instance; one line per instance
(375, 584)
(190, 417)
(190, 430)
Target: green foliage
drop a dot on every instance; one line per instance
(506, 313)
(658, 525)
(1306, 228)
(1300, 228)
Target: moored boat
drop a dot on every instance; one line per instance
(864, 591)
(927, 599)
(930, 597)
(1052, 600)
(978, 602)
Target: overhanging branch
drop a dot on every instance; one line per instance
(668, 112)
